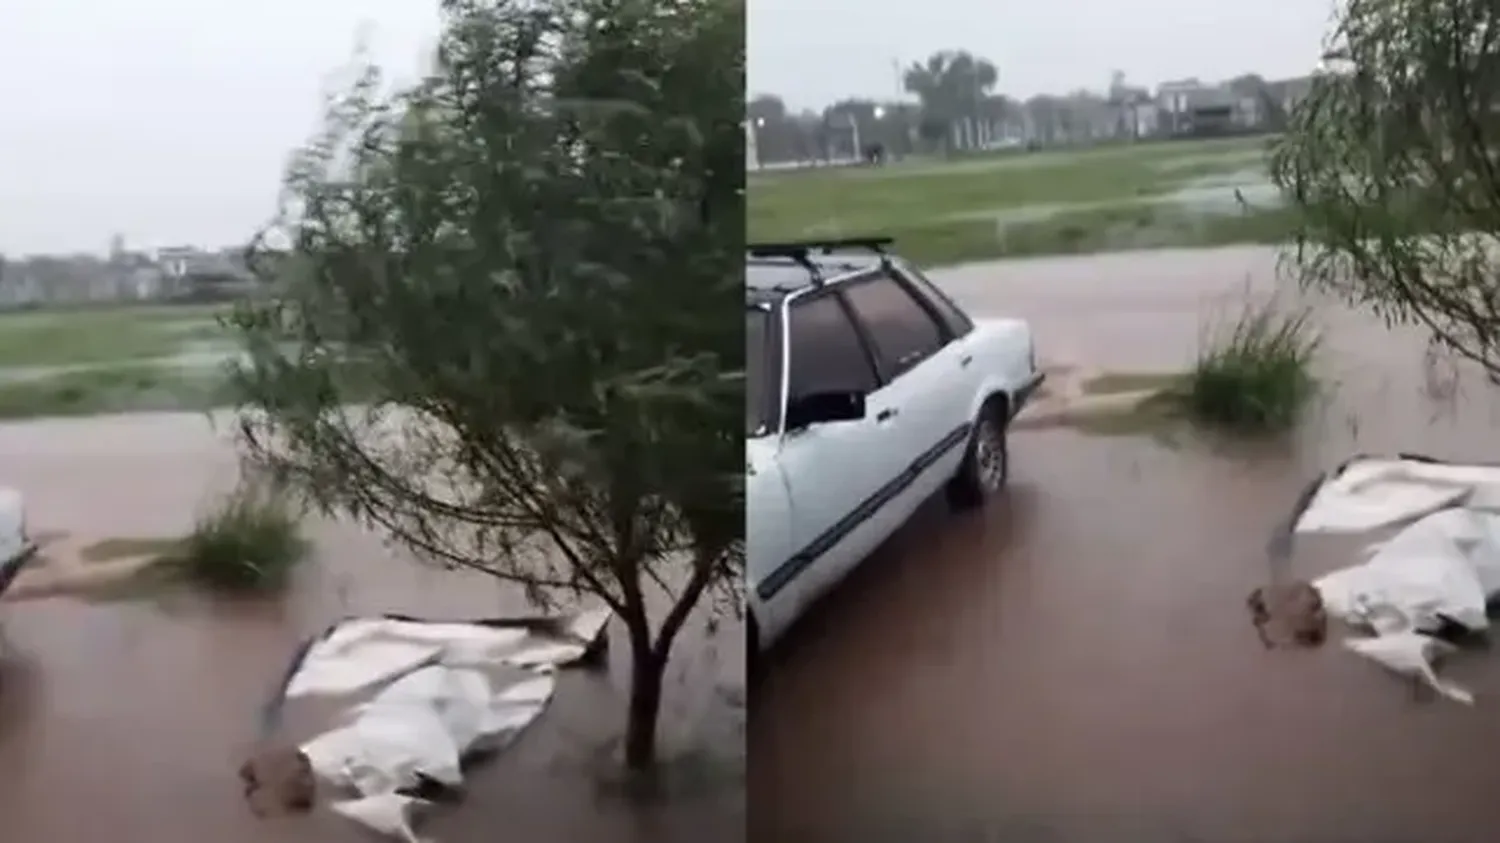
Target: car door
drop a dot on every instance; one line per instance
(834, 471)
(922, 371)
(967, 374)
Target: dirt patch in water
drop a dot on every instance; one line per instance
(1114, 383)
(115, 549)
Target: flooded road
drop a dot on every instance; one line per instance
(1073, 664)
(130, 719)
(1076, 662)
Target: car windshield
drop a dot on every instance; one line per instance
(757, 385)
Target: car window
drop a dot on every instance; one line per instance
(761, 378)
(954, 319)
(827, 353)
(903, 331)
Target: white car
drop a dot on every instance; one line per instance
(868, 390)
(16, 547)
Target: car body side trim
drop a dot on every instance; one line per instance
(787, 571)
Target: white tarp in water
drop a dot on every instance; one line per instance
(419, 697)
(1372, 492)
(1439, 571)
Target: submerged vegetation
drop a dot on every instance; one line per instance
(251, 541)
(1257, 376)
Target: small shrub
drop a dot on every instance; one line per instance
(1257, 377)
(251, 541)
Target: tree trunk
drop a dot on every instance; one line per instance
(645, 702)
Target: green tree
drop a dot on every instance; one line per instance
(503, 335)
(766, 107)
(779, 135)
(951, 85)
(1391, 159)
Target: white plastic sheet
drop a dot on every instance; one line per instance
(1412, 655)
(435, 703)
(1441, 568)
(1378, 492)
(390, 814)
(1444, 565)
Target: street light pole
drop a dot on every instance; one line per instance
(752, 142)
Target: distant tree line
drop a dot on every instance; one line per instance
(953, 105)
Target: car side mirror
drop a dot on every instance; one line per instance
(820, 407)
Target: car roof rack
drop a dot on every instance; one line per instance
(801, 251)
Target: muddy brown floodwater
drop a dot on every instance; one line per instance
(1076, 662)
(127, 721)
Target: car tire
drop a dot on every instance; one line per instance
(986, 465)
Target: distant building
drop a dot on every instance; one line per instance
(1174, 99)
(1189, 107)
(140, 283)
(175, 261)
(1144, 118)
(1289, 93)
(193, 273)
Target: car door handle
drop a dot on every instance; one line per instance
(886, 415)
(966, 360)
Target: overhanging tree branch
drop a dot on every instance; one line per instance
(507, 267)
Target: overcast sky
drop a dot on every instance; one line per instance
(815, 52)
(169, 121)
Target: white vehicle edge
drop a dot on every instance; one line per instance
(16, 547)
(790, 566)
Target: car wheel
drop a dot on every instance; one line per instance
(986, 465)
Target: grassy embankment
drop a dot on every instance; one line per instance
(1014, 204)
(1254, 376)
(102, 360)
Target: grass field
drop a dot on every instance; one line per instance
(1013, 204)
(65, 337)
(117, 359)
(79, 362)
(122, 359)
